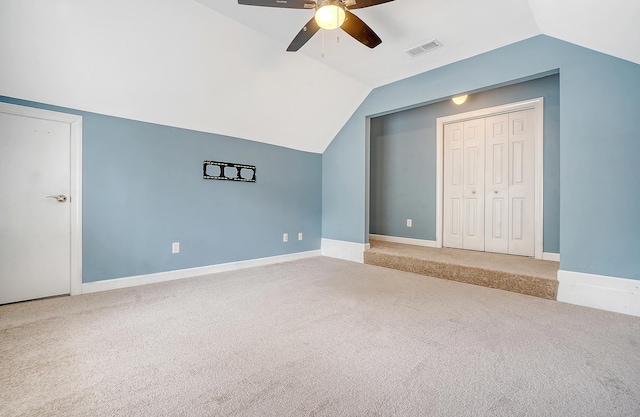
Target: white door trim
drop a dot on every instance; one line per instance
(537, 105)
(75, 199)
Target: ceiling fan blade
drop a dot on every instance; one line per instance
(287, 4)
(360, 31)
(361, 4)
(304, 35)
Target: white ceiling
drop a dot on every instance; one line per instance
(608, 26)
(464, 27)
(220, 67)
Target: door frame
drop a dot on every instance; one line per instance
(75, 199)
(537, 105)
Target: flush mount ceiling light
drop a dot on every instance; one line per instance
(330, 14)
(460, 99)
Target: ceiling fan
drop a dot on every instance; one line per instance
(329, 14)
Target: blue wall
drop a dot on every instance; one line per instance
(599, 147)
(143, 189)
(403, 161)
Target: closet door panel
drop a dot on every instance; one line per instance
(473, 184)
(453, 185)
(522, 183)
(496, 196)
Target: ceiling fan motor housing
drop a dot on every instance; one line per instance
(321, 3)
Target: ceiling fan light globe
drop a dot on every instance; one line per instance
(330, 16)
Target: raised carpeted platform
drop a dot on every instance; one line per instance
(506, 272)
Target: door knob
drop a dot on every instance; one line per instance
(495, 192)
(61, 198)
(473, 192)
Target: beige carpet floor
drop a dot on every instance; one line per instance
(316, 337)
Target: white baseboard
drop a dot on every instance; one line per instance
(112, 284)
(404, 240)
(620, 295)
(349, 251)
(550, 256)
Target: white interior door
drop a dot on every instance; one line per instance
(489, 184)
(473, 174)
(497, 184)
(35, 229)
(454, 188)
(522, 183)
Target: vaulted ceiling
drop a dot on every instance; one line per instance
(221, 67)
(464, 27)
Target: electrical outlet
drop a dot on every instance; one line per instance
(285, 237)
(409, 223)
(175, 247)
(300, 236)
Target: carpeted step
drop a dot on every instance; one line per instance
(538, 285)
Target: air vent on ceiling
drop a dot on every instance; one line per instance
(424, 48)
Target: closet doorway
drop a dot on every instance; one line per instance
(490, 180)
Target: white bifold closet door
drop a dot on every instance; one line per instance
(489, 184)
